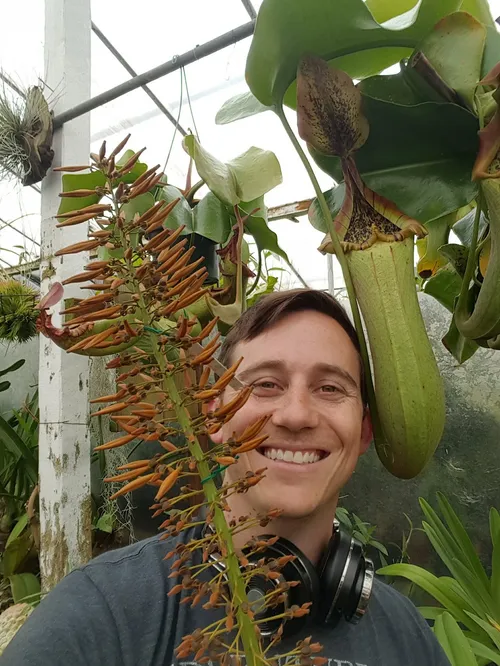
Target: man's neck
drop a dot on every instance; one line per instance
(310, 534)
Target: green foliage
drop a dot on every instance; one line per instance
(469, 595)
(342, 32)
(19, 455)
(411, 158)
(362, 531)
(17, 311)
(4, 385)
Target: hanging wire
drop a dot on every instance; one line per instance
(178, 118)
(183, 69)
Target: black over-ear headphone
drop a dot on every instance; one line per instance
(339, 588)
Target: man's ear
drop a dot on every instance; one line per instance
(366, 433)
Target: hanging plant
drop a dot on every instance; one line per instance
(18, 313)
(25, 136)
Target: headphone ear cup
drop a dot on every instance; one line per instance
(300, 570)
(340, 570)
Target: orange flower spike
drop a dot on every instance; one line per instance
(205, 376)
(127, 476)
(236, 403)
(133, 485)
(118, 407)
(224, 379)
(250, 445)
(134, 465)
(115, 443)
(168, 483)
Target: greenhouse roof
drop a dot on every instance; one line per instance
(126, 38)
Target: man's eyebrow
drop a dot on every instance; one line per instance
(258, 367)
(280, 366)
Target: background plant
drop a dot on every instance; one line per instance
(470, 596)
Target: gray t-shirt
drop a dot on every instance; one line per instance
(115, 611)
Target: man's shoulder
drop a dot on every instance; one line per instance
(387, 604)
(139, 564)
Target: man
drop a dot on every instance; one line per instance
(301, 355)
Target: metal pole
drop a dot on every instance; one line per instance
(9, 224)
(133, 73)
(247, 4)
(64, 444)
(231, 37)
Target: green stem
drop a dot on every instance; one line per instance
(377, 428)
(259, 273)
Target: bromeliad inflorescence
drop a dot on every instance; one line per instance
(142, 280)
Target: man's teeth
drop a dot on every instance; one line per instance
(298, 457)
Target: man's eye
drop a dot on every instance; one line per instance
(265, 385)
(329, 388)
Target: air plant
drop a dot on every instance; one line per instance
(143, 280)
(18, 313)
(25, 136)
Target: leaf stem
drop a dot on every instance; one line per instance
(377, 428)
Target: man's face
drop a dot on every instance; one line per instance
(306, 375)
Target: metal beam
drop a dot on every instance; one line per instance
(228, 38)
(133, 74)
(247, 4)
(9, 224)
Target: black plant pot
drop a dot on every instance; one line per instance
(204, 247)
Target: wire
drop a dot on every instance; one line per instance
(178, 118)
(183, 69)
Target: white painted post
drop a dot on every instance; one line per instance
(64, 468)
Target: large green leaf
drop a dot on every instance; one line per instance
(461, 537)
(412, 156)
(138, 206)
(384, 10)
(480, 9)
(453, 641)
(15, 554)
(287, 29)
(18, 528)
(80, 181)
(138, 169)
(239, 107)
(463, 228)
(25, 588)
(485, 652)
(444, 286)
(491, 51)
(256, 226)
(455, 49)
(431, 584)
(492, 632)
(181, 214)
(495, 557)
(244, 178)
(461, 348)
(211, 219)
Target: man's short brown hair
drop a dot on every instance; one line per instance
(272, 308)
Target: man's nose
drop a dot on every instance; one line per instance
(295, 411)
